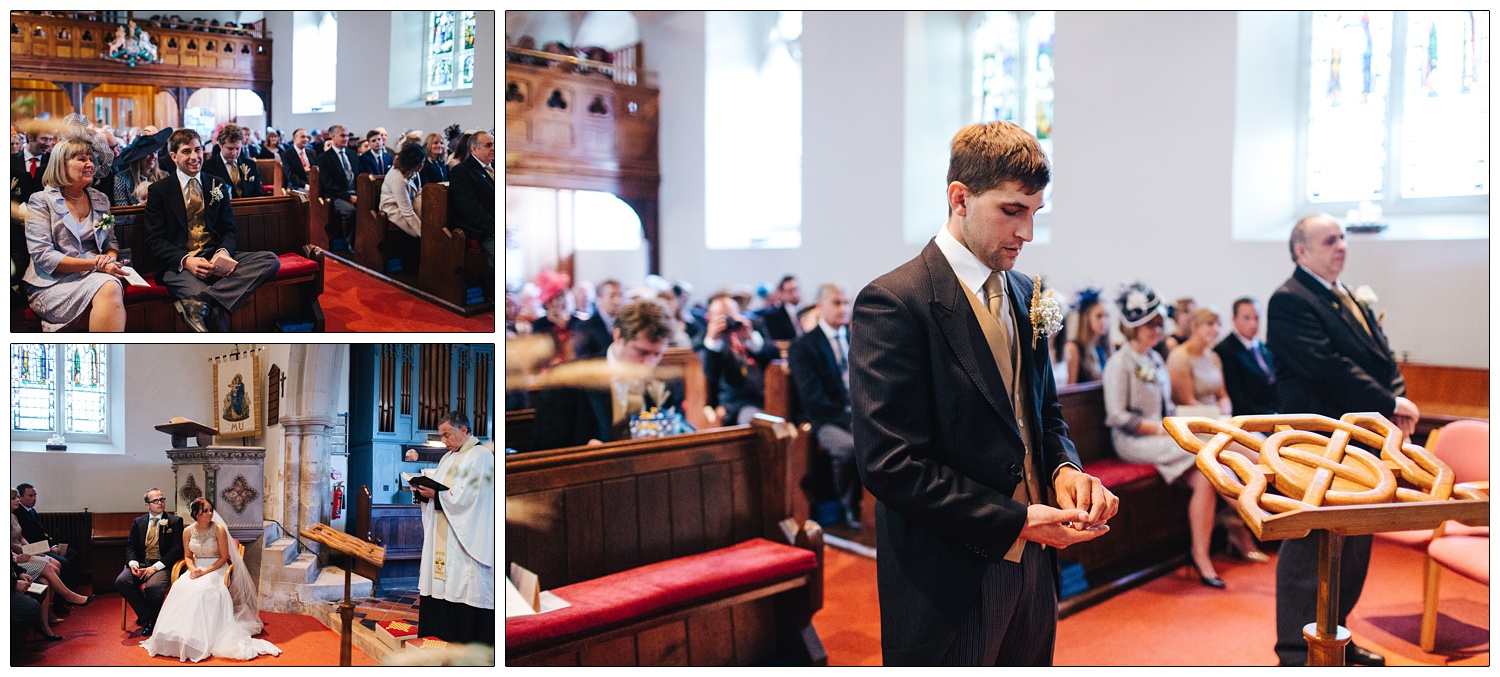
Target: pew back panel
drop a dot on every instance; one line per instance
(270, 176)
(693, 382)
(369, 223)
(450, 267)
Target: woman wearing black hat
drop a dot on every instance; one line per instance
(136, 168)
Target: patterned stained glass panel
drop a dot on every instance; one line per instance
(1350, 83)
(1445, 131)
(33, 388)
(440, 73)
(466, 76)
(999, 79)
(467, 19)
(442, 33)
(85, 389)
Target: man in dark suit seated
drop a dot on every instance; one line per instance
(1249, 371)
(1332, 358)
(190, 232)
(297, 160)
(471, 193)
(819, 362)
(377, 160)
(33, 531)
(29, 164)
(735, 357)
(569, 417)
(155, 545)
(232, 166)
(779, 321)
(336, 173)
(597, 331)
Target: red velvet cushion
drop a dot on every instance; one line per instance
(635, 593)
(295, 265)
(1468, 556)
(29, 315)
(1114, 472)
(134, 294)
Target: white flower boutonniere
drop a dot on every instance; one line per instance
(1046, 312)
(1145, 372)
(105, 224)
(216, 194)
(1364, 294)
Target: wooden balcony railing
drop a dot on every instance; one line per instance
(59, 48)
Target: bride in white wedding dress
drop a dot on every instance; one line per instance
(201, 616)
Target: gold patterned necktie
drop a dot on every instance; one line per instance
(234, 173)
(151, 540)
(1359, 314)
(195, 199)
(1027, 492)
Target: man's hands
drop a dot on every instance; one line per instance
(1056, 527)
(1084, 492)
(1406, 416)
(198, 266)
(717, 324)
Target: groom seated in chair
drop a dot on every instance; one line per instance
(155, 545)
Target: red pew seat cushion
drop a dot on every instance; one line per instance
(295, 265)
(635, 593)
(1116, 473)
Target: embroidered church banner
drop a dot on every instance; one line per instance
(237, 396)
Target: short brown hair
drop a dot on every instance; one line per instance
(198, 505)
(182, 136)
(647, 319)
(56, 173)
(985, 156)
(230, 133)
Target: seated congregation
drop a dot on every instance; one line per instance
(140, 215)
(239, 541)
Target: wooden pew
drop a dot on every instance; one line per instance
(518, 426)
(270, 176)
(379, 245)
(318, 211)
(398, 528)
(645, 510)
(110, 531)
(450, 266)
(274, 224)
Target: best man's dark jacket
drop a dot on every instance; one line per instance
(1325, 361)
(1251, 390)
(167, 221)
(820, 385)
(331, 173)
(936, 443)
(168, 540)
(569, 417)
(249, 185)
(471, 199)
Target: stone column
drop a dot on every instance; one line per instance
(314, 378)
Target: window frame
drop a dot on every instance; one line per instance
(59, 394)
(1042, 220)
(453, 92)
(1390, 202)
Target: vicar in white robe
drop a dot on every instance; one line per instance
(457, 580)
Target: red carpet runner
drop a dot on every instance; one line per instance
(353, 301)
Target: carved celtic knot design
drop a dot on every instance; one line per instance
(1309, 461)
(239, 494)
(189, 490)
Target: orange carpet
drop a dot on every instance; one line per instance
(92, 636)
(354, 301)
(1175, 621)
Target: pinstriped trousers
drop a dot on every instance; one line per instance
(231, 292)
(1014, 622)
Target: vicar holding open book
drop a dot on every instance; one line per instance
(457, 580)
(190, 232)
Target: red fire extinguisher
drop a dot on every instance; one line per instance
(338, 499)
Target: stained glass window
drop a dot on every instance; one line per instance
(33, 388)
(450, 50)
(72, 379)
(1397, 99)
(1013, 74)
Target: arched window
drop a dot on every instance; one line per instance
(1013, 74)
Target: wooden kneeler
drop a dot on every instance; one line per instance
(352, 548)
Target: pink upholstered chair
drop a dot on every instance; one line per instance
(1464, 446)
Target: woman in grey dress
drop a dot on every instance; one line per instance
(1137, 394)
(74, 262)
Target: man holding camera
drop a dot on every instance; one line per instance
(735, 357)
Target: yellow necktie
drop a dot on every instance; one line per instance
(1027, 491)
(1359, 313)
(153, 550)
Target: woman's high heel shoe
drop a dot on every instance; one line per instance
(1245, 550)
(85, 601)
(53, 638)
(1208, 581)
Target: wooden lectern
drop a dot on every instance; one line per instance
(351, 548)
(1312, 477)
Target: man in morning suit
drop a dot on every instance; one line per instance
(1249, 370)
(29, 164)
(190, 232)
(471, 193)
(819, 362)
(1331, 359)
(297, 160)
(597, 332)
(336, 168)
(957, 428)
(233, 166)
(155, 545)
(568, 417)
(377, 160)
(779, 321)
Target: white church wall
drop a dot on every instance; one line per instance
(1146, 131)
(364, 78)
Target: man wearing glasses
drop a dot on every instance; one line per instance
(155, 545)
(336, 170)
